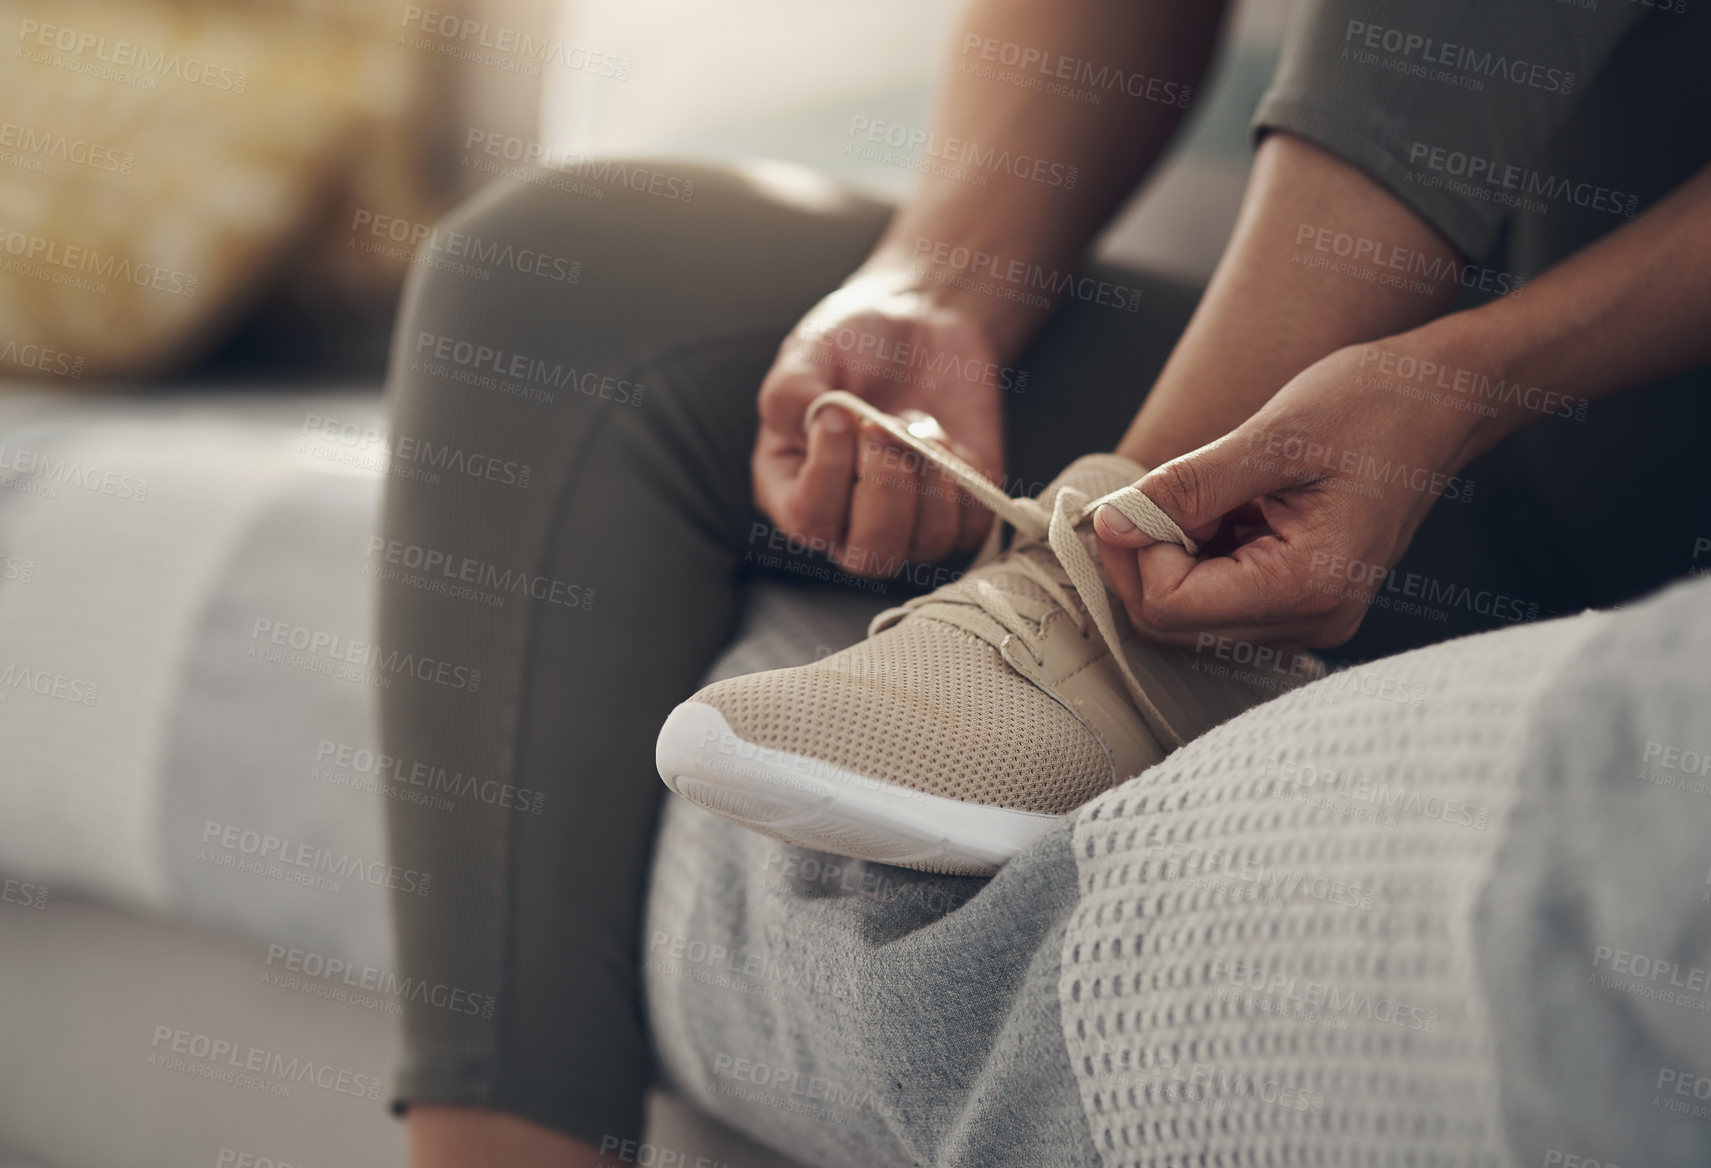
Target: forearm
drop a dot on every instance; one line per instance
(1281, 297)
(1151, 55)
(1632, 308)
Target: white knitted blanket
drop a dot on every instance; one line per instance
(1272, 959)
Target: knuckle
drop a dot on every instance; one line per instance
(1181, 485)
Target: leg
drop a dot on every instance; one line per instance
(608, 517)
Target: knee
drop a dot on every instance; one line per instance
(616, 253)
(603, 266)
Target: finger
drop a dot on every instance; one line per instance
(774, 469)
(937, 510)
(789, 389)
(821, 495)
(973, 518)
(1196, 490)
(1264, 582)
(938, 518)
(1123, 574)
(882, 508)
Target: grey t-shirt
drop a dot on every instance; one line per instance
(1520, 129)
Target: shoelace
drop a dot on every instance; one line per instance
(1055, 529)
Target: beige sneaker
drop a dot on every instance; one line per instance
(973, 718)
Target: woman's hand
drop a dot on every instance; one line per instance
(1302, 509)
(855, 492)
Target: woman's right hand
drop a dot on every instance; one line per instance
(846, 486)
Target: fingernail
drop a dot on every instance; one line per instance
(834, 420)
(1115, 521)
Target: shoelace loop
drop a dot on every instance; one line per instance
(1055, 529)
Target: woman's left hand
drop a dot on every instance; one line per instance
(1302, 510)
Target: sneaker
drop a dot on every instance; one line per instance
(976, 717)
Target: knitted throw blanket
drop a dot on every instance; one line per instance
(1272, 958)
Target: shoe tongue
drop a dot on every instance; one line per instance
(1093, 475)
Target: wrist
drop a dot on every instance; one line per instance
(983, 282)
(1462, 376)
(1491, 375)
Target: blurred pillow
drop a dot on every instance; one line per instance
(160, 160)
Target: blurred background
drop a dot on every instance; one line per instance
(207, 210)
(250, 149)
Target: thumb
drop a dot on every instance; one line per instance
(1199, 488)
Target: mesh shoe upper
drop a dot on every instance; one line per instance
(1018, 686)
(930, 706)
(927, 706)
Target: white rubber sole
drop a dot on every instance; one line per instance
(805, 801)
